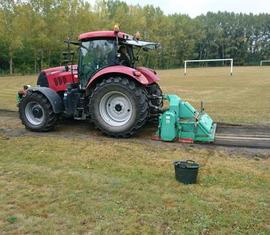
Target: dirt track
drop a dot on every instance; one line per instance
(249, 140)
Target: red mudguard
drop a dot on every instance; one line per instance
(143, 75)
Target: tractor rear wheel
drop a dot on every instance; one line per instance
(118, 106)
(36, 112)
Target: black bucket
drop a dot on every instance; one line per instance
(186, 171)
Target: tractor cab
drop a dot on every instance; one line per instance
(102, 49)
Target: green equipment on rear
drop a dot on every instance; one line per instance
(181, 122)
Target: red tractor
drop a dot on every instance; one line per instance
(105, 87)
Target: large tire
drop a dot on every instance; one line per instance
(36, 112)
(118, 107)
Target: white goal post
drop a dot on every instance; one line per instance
(208, 60)
(264, 61)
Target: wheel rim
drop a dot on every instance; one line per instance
(115, 108)
(34, 113)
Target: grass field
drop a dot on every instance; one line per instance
(59, 183)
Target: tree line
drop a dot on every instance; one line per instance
(32, 33)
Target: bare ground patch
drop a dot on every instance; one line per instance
(259, 147)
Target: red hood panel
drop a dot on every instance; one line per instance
(58, 77)
(60, 69)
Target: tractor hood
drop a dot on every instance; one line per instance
(60, 69)
(56, 78)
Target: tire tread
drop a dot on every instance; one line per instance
(51, 116)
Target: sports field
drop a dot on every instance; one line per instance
(75, 180)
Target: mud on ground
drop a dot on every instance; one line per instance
(252, 141)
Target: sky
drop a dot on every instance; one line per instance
(196, 7)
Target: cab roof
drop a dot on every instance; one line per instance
(104, 34)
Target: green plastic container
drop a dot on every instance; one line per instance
(186, 171)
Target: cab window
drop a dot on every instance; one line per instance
(95, 55)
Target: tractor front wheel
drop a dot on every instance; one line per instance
(118, 106)
(36, 112)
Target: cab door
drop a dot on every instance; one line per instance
(95, 55)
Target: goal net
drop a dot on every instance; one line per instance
(264, 62)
